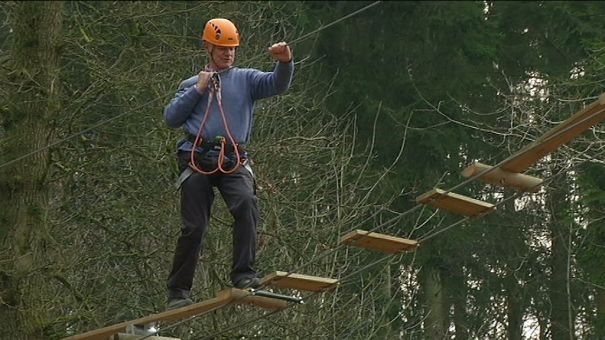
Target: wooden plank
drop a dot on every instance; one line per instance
(223, 298)
(503, 178)
(541, 147)
(298, 281)
(380, 242)
(454, 203)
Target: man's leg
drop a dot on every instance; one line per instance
(196, 202)
(238, 191)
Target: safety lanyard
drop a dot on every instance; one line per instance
(215, 91)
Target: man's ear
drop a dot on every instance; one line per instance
(208, 47)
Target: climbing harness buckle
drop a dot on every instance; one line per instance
(183, 177)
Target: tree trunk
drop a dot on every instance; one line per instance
(29, 111)
(600, 325)
(435, 323)
(561, 323)
(514, 306)
(457, 292)
(514, 310)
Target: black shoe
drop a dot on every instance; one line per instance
(249, 282)
(174, 303)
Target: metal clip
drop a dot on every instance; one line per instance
(272, 295)
(215, 82)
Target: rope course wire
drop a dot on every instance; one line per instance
(81, 132)
(432, 235)
(425, 238)
(422, 239)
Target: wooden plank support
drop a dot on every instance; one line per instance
(455, 203)
(223, 298)
(298, 281)
(503, 178)
(541, 147)
(241, 296)
(379, 242)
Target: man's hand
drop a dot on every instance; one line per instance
(202, 81)
(281, 51)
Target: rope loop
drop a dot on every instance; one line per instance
(215, 91)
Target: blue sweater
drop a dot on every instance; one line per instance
(240, 88)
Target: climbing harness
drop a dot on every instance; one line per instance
(221, 145)
(222, 154)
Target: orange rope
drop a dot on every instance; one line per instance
(199, 139)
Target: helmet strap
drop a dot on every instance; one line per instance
(209, 48)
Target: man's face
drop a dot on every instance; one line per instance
(223, 57)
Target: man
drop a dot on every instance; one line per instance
(215, 109)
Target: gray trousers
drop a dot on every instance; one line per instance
(197, 196)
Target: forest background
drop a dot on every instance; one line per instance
(385, 105)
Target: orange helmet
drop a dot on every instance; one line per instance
(221, 32)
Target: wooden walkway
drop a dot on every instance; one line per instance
(224, 297)
(508, 174)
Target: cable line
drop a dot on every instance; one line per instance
(321, 28)
(449, 227)
(62, 140)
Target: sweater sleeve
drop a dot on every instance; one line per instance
(181, 106)
(267, 84)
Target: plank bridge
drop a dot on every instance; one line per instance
(509, 174)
